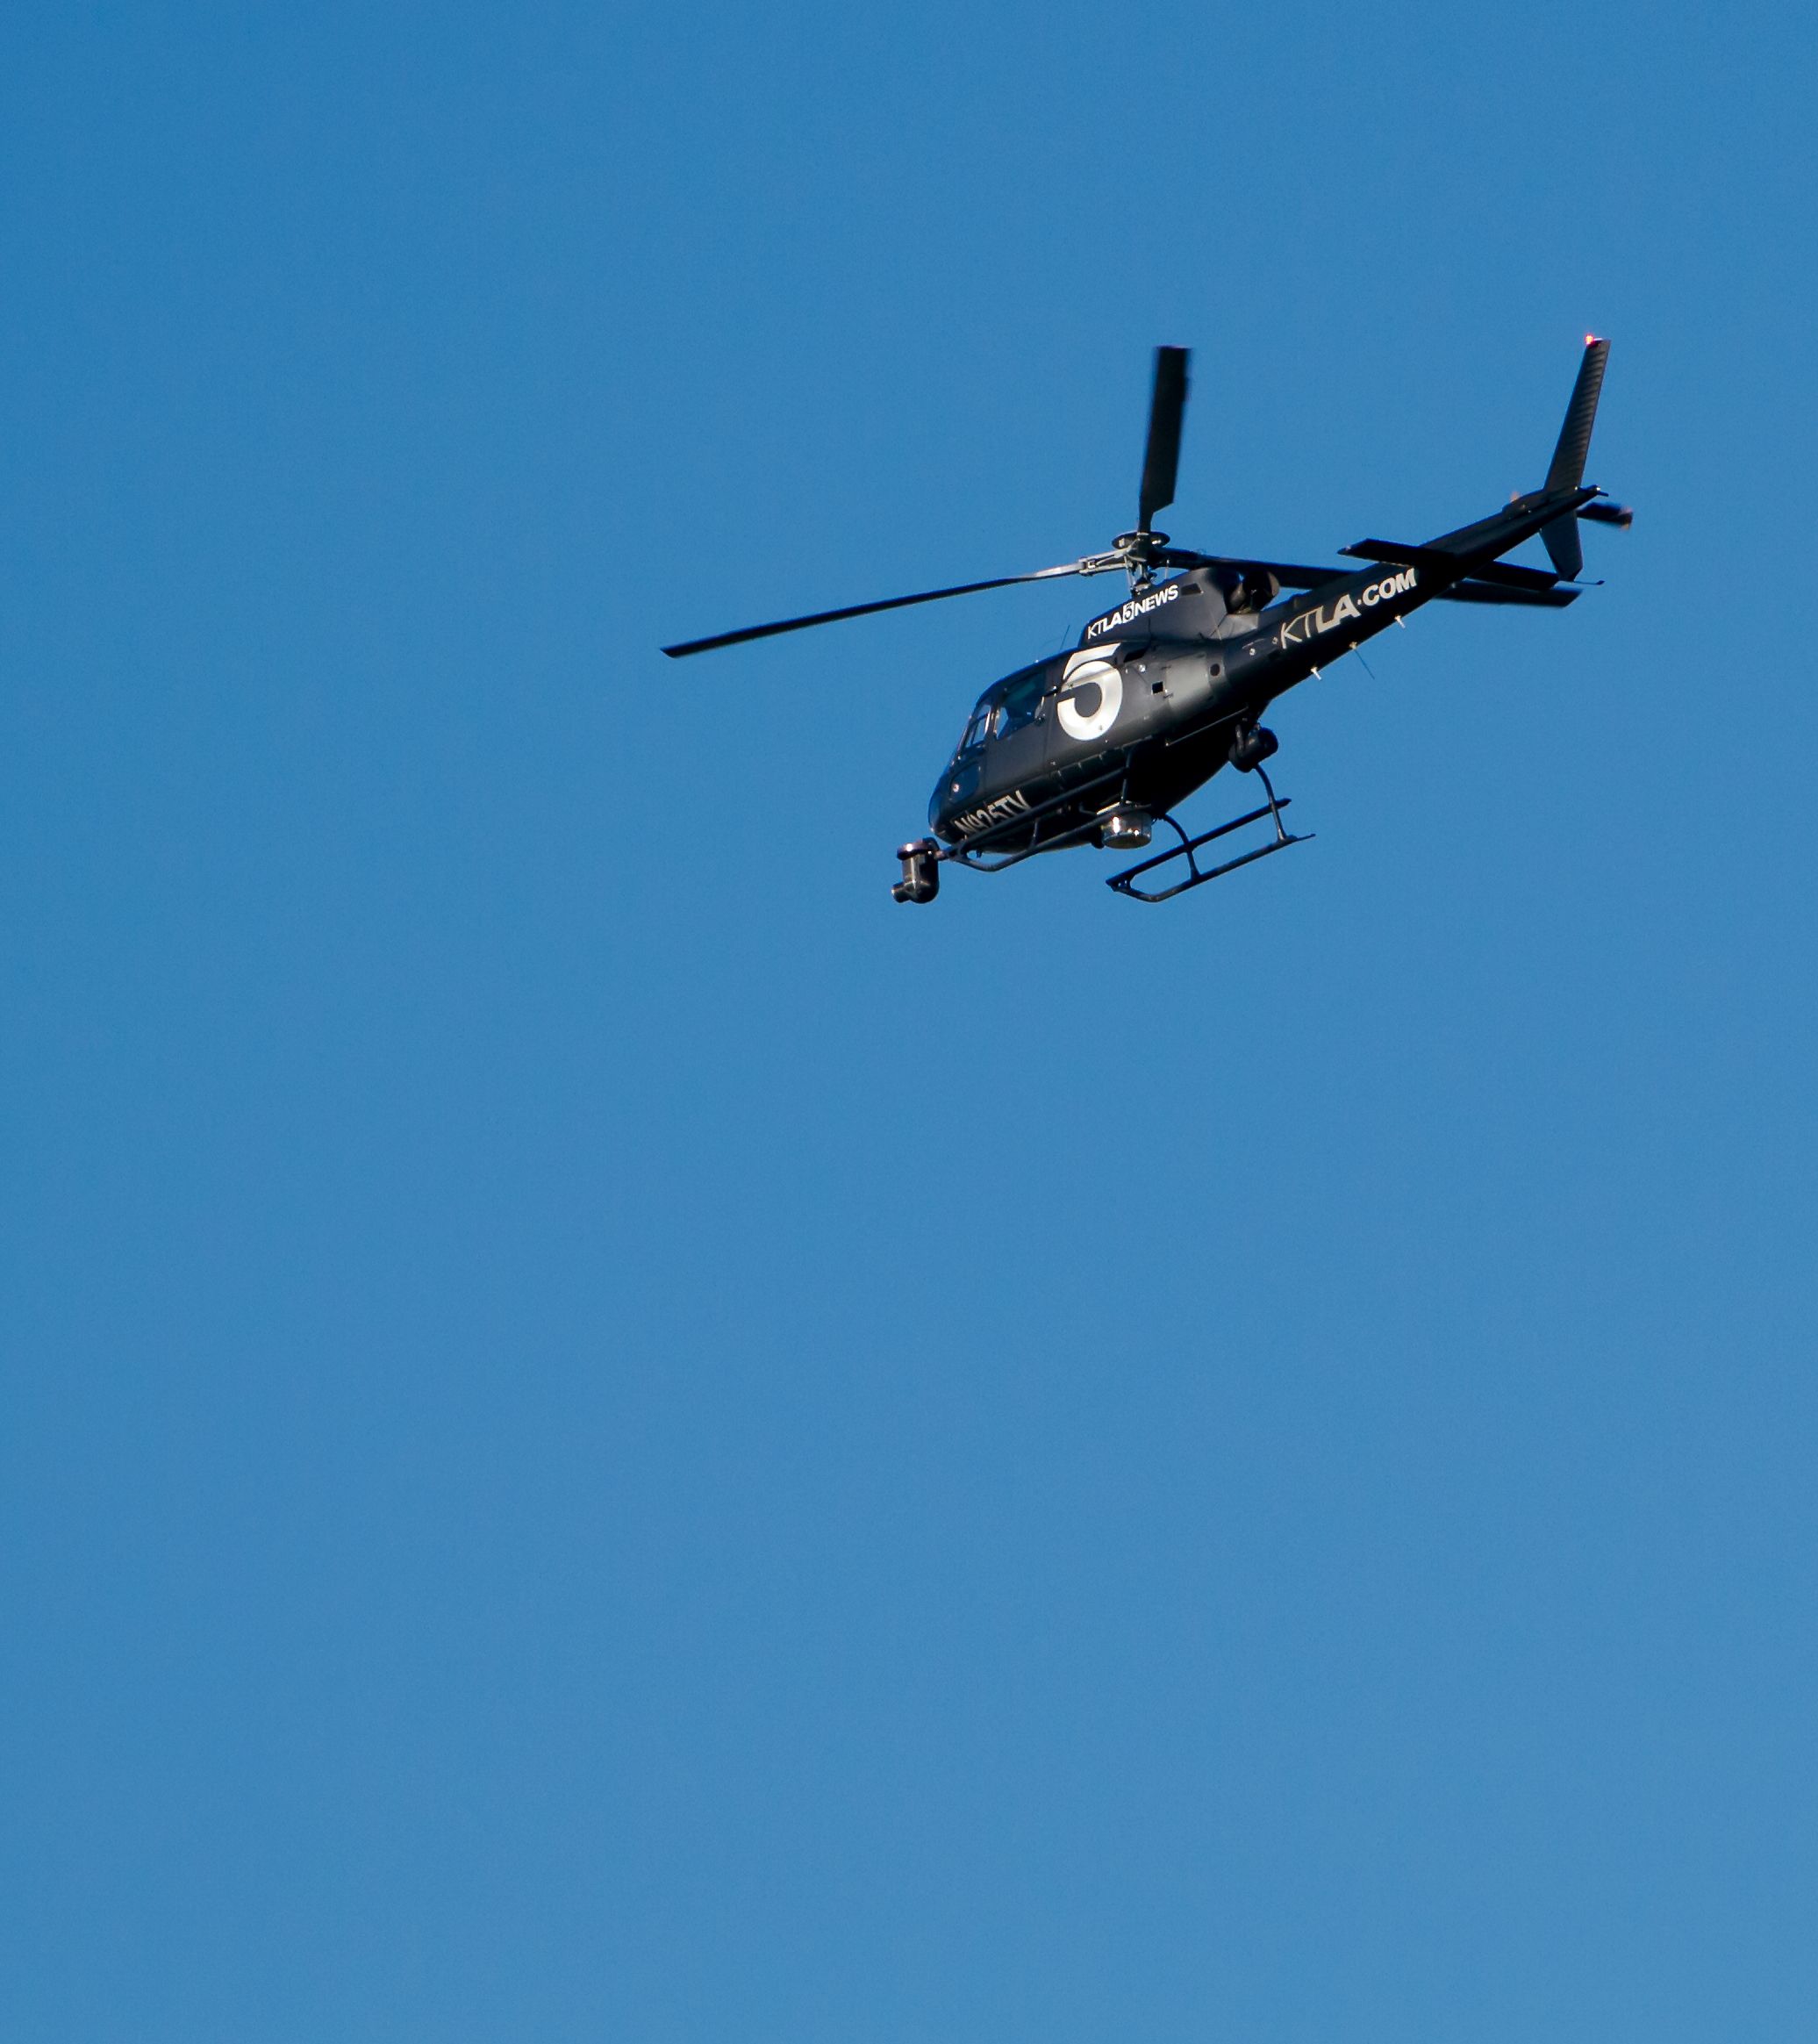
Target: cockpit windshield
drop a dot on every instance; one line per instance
(1006, 707)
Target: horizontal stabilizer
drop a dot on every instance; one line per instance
(1446, 563)
(1492, 593)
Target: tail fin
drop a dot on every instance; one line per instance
(1561, 538)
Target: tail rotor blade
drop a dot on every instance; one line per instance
(1162, 456)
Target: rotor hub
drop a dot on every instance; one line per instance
(1137, 552)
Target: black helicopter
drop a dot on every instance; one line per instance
(1096, 746)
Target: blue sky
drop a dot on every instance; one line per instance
(608, 1435)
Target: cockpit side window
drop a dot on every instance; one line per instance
(980, 724)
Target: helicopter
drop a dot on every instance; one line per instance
(1099, 744)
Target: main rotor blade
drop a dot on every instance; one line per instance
(1290, 574)
(1162, 456)
(861, 610)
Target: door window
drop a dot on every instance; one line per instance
(1021, 698)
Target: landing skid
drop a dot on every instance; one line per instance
(1125, 882)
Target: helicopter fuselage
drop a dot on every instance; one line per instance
(1146, 708)
(1097, 744)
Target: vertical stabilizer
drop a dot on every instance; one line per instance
(1561, 538)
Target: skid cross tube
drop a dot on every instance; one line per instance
(1125, 882)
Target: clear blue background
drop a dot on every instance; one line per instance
(605, 1434)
